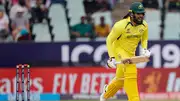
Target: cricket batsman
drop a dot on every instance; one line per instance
(122, 43)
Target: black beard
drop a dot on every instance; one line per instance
(136, 20)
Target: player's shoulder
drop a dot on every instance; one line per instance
(121, 23)
(145, 23)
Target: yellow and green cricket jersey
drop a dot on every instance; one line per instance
(126, 36)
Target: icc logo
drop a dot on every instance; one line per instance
(152, 81)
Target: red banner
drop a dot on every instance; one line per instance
(160, 96)
(89, 80)
(60, 80)
(159, 80)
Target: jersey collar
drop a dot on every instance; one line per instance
(129, 21)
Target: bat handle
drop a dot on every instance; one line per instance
(118, 62)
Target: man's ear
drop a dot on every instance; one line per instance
(131, 14)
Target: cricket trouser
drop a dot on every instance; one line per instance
(126, 77)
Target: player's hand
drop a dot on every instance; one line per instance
(111, 63)
(126, 61)
(146, 52)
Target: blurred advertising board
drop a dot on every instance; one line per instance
(88, 82)
(159, 84)
(33, 97)
(59, 80)
(159, 80)
(164, 54)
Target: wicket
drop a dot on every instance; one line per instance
(22, 67)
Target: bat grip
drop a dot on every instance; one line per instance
(118, 62)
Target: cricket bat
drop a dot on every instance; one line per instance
(135, 60)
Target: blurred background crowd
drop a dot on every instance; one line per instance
(65, 20)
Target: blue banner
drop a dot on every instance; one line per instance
(33, 97)
(164, 54)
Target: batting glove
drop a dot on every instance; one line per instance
(146, 52)
(111, 63)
